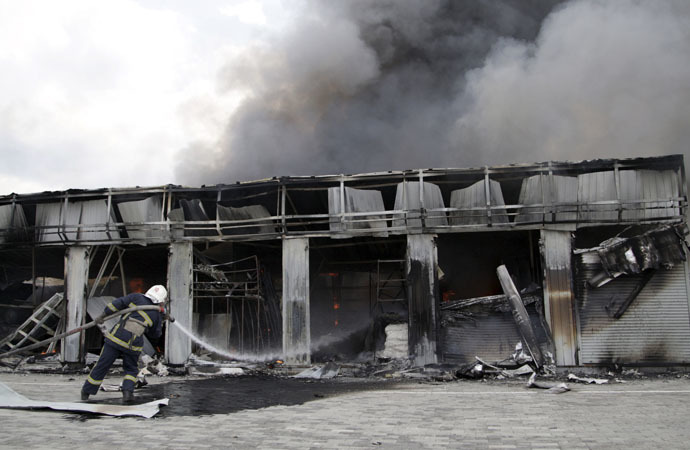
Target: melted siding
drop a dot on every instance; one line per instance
(94, 215)
(644, 185)
(407, 197)
(558, 189)
(141, 211)
(596, 187)
(475, 197)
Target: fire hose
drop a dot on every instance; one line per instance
(86, 327)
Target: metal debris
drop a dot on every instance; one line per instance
(661, 247)
(210, 371)
(551, 388)
(520, 315)
(573, 377)
(11, 399)
(330, 370)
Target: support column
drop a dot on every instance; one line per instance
(296, 328)
(178, 345)
(77, 261)
(559, 299)
(423, 298)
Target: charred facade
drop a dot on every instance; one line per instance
(336, 267)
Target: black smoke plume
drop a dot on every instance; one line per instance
(370, 85)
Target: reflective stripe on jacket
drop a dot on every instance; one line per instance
(150, 321)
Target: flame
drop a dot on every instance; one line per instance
(448, 295)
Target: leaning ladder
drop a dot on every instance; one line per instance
(390, 282)
(39, 320)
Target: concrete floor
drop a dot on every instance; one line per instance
(641, 413)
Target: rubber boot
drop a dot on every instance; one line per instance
(127, 397)
(84, 396)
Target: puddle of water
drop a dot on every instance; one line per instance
(232, 394)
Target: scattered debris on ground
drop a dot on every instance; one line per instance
(11, 399)
(575, 378)
(551, 388)
(329, 370)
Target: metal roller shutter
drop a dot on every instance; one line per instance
(491, 337)
(654, 330)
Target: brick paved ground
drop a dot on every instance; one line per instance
(648, 413)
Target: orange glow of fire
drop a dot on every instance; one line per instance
(136, 285)
(448, 296)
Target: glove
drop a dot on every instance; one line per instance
(100, 319)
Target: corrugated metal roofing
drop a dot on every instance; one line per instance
(137, 212)
(246, 213)
(597, 187)
(557, 189)
(654, 329)
(356, 201)
(640, 185)
(51, 215)
(637, 187)
(95, 213)
(408, 198)
(475, 197)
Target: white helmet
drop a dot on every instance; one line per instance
(157, 294)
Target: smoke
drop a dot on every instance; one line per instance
(369, 85)
(603, 79)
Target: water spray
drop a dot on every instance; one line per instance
(223, 353)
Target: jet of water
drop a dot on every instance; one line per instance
(229, 355)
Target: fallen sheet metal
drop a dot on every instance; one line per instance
(330, 370)
(551, 388)
(520, 315)
(573, 377)
(11, 399)
(211, 371)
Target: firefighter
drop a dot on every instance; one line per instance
(125, 340)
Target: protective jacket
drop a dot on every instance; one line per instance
(129, 331)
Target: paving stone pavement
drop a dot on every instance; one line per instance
(645, 413)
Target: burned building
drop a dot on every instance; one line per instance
(377, 265)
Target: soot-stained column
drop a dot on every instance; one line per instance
(77, 261)
(296, 329)
(558, 294)
(423, 298)
(178, 346)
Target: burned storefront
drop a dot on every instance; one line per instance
(580, 263)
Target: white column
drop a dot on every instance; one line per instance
(423, 298)
(178, 346)
(76, 284)
(296, 329)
